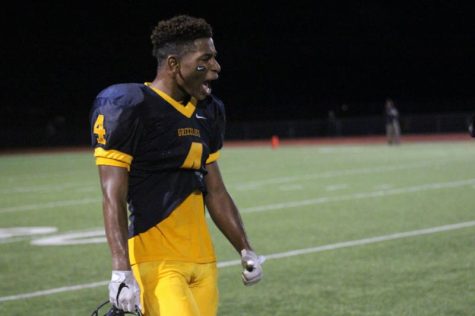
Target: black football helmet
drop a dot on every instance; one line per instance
(114, 311)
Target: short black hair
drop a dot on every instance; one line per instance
(174, 36)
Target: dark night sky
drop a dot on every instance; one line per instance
(288, 61)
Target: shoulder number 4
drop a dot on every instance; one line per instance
(99, 129)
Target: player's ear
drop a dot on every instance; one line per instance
(173, 63)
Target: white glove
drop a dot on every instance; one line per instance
(124, 292)
(252, 265)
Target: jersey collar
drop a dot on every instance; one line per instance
(187, 110)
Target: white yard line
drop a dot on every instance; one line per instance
(12, 189)
(358, 196)
(320, 200)
(53, 291)
(40, 206)
(37, 175)
(297, 252)
(40, 188)
(252, 185)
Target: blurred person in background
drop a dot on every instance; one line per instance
(471, 126)
(393, 129)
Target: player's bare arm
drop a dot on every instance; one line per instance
(226, 216)
(123, 289)
(114, 183)
(222, 209)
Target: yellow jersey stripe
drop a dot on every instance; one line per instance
(182, 236)
(213, 157)
(111, 162)
(187, 110)
(112, 157)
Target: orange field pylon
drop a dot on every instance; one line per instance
(275, 141)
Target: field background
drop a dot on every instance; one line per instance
(297, 197)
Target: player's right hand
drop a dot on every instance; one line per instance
(124, 292)
(252, 265)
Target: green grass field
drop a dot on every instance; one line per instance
(347, 229)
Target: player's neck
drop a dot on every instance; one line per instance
(171, 89)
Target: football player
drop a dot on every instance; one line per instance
(471, 126)
(393, 129)
(156, 145)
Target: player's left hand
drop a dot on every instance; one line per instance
(252, 265)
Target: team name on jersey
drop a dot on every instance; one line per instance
(189, 131)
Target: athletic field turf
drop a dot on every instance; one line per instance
(347, 230)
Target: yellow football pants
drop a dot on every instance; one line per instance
(171, 288)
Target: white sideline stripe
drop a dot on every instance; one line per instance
(330, 174)
(359, 242)
(371, 240)
(29, 176)
(362, 195)
(298, 252)
(30, 207)
(242, 186)
(39, 188)
(53, 291)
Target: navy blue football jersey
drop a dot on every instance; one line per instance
(165, 146)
